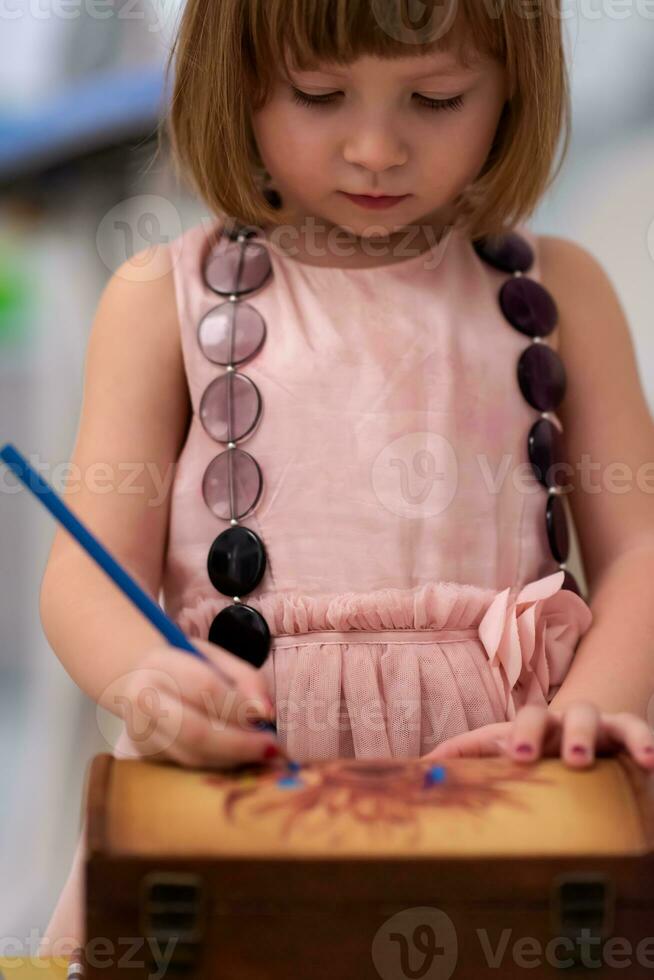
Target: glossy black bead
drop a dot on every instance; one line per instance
(570, 583)
(545, 449)
(542, 377)
(556, 523)
(243, 631)
(528, 306)
(236, 561)
(508, 253)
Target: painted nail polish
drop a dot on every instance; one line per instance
(271, 751)
(524, 748)
(579, 750)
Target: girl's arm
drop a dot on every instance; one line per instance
(134, 419)
(609, 440)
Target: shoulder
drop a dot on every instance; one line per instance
(143, 281)
(138, 306)
(136, 332)
(591, 316)
(566, 264)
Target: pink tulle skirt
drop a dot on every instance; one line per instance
(395, 672)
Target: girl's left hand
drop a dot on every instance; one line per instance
(577, 733)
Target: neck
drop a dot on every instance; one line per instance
(318, 242)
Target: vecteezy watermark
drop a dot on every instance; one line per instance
(101, 952)
(417, 475)
(319, 240)
(423, 942)
(155, 17)
(150, 702)
(141, 478)
(131, 235)
(149, 699)
(428, 21)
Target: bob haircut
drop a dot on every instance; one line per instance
(227, 53)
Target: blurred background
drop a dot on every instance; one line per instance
(81, 91)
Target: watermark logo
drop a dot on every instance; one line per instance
(131, 234)
(416, 475)
(152, 721)
(418, 943)
(415, 21)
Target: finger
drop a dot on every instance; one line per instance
(579, 734)
(197, 684)
(178, 730)
(528, 732)
(250, 680)
(479, 743)
(632, 731)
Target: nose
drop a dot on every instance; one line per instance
(375, 146)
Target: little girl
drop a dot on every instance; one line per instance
(368, 389)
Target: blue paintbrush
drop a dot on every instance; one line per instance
(151, 609)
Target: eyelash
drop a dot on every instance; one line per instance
(435, 105)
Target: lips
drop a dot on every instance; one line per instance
(369, 201)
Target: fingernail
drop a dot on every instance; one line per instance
(579, 750)
(648, 749)
(524, 748)
(271, 751)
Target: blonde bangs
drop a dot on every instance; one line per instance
(227, 54)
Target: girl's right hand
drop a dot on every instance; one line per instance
(176, 707)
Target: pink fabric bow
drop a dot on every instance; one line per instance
(531, 641)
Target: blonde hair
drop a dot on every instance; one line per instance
(226, 53)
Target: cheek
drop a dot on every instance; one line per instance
(472, 141)
(286, 146)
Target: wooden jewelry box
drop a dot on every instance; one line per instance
(473, 869)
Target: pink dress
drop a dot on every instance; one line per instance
(410, 589)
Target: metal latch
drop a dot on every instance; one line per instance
(582, 908)
(173, 907)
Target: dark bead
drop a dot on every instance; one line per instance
(237, 561)
(528, 306)
(545, 448)
(570, 583)
(243, 631)
(508, 253)
(556, 523)
(542, 377)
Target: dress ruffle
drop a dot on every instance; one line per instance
(395, 672)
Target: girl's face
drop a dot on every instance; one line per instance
(421, 126)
